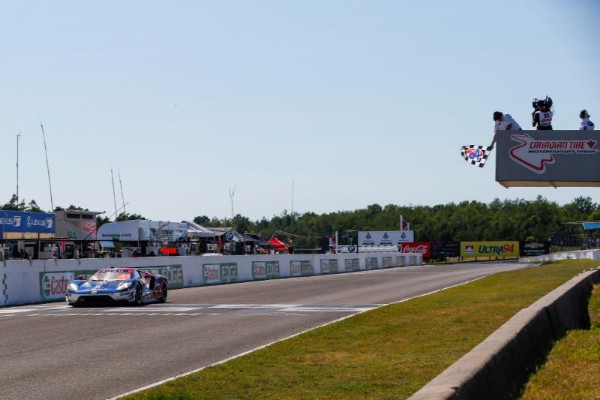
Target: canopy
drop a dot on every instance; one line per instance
(279, 245)
(588, 226)
(228, 234)
(195, 230)
(254, 238)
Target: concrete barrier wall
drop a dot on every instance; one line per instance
(36, 281)
(501, 364)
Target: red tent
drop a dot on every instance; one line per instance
(279, 245)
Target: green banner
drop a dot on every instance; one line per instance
(329, 266)
(265, 269)
(173, 273)
(352, 264)
(371, 263)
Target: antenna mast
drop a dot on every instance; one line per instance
(18, 137)
(292, 214)
(231, 194)
(114, 196)
(47, 167)
(122, 196)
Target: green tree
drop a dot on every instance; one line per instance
(129, 217)
(202, 220)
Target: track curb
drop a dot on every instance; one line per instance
(499, 366)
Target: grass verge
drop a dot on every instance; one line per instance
(572, 369)
(386, 353)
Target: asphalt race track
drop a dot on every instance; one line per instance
(52, 351)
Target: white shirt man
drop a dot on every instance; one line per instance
(504, 122)
(586, 124)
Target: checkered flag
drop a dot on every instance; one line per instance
(476, 155)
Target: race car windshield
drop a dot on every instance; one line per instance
(112, 275)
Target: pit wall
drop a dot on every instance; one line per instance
(39, 281)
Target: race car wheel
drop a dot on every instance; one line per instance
(163, 297)
(138, 295)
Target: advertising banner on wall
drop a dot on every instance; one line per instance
(417, 247)
(445, 249)
(265, 269)
(329, 266)
(173, 273)
(351, 264)
(532, 249)
(220, 273)
(548, 158)
(301, 268)
(26, 222)
(384, 238)
(501, 249)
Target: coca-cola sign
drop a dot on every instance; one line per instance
(416, 247)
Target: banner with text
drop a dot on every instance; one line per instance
(417, 247)
(22, 221)
(384, 238)
(548, 158)
(489, 249)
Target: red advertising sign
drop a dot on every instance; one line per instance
(416, 247)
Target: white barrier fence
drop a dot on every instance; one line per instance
(565, 255)
(38, 281)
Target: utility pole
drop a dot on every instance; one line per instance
(122, 196)
(18, 138)
(47, 167)
(231, 194)
(114, 195)
(292, 214)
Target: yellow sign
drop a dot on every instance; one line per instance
(489, 249)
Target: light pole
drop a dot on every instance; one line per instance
(18, 137)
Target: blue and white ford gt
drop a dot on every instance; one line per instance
(123, 285)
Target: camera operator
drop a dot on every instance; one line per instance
(542, 116)
(586, 124)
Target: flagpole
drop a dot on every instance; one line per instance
(336, 242)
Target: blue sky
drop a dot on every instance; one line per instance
(349, 103)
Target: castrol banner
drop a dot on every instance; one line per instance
(53, 285)
(416, 247)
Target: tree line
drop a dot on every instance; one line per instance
(518, 219)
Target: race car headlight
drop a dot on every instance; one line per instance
(72, 287)
(125, 286)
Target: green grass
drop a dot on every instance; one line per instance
(388, 353)
(572, 370)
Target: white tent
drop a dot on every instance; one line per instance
(195, 230)
(142, 230)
